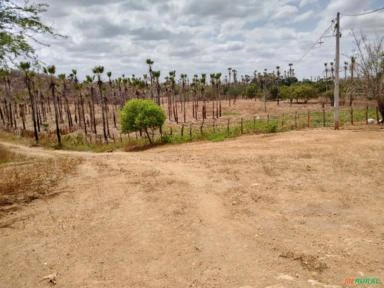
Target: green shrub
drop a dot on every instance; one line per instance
(271, 127)
(141, 115)
(251, 90)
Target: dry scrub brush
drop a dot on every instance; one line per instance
(25, 181)
(8, 156)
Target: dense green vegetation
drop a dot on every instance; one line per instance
(141, 115)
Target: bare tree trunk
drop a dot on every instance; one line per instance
(148, 136)
(381, 108)
(2, 116)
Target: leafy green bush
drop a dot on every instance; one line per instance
(287, 92)
(251, 90)
(141, 115)
(304, 91)
(235, 91)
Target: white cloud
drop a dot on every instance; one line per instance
(304, 16)
(304, 3)
(199, 36)
(285, 12)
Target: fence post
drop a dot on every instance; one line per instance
(241, 127)
(366, 115)
(190, 131)
(182, 130)
(323, 117)
(254, 123)
(351, 116)
(268, 118)
(228, 127)
(377, 115)
(201, 128)
(282, 122)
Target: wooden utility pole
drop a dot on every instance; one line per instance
(337, 78)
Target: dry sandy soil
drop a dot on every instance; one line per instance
(297, 209)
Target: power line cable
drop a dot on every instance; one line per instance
(365, 13)
(315, 43)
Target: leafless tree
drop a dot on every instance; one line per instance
(370, 65)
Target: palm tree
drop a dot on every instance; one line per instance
(8, 98)
(150, 63)
(290, 73)
(234, 71)
(89, 80)
(183, 85)
(156, 76)
(109, 75)
(352, 70)
(51, 70)
(345, 70)
(25, 66)
(218, 82)
(353, 62)
(172, 101)
(229, 76)
(80, 103)
(62, 78)
(74, 80)
(203, 81)
(98, 70)
(264, 85)
(278, 83)
(212, 78)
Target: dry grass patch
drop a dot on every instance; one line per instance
(24, 181)
(8, 156)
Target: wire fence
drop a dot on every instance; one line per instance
(216, 129)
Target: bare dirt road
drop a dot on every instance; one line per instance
(297, 209)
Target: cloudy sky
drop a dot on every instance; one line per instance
(203, 36)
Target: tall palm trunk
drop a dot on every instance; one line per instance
(8, 102)
(93, 117)
(33, 107)
(83, 112)
(103, 111)
(381, 108)
(22, 114)
(56, 109)
(67, 109)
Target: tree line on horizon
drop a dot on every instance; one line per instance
(76, 104)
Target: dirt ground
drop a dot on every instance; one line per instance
(295, 209)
